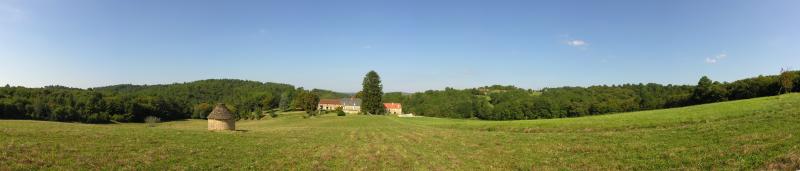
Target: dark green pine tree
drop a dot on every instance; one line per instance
(372, 94)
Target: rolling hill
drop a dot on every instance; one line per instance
(760, 133)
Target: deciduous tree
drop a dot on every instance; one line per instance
(786, 80)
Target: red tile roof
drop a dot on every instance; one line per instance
(330, 101)
(392, 105)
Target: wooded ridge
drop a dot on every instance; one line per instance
(252, 99)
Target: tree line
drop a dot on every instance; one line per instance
(252, 99)
(512, 103)
(132, 103)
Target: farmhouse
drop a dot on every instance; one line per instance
(221, 119)
(393, 108)
(329, 104)
(351, 105)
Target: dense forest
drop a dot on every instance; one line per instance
(132, 103)
(252, 99)
(510, 103)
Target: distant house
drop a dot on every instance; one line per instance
(329, 104)
(351, 105)
(221, 119)
(393, 108)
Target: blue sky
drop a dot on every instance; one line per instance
(414, 45)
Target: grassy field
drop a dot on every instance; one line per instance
(762, 133)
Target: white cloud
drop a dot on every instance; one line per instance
(711, 60)
(717, 58)
(577, 43)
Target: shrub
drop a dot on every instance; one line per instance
(273, 114)
(121, 117)
(255, 115)
(101, 117)
(339, 111)
(152, 120)
(201, 110)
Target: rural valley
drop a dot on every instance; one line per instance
(399, 85)
(749, 134)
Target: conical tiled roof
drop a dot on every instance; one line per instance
(220, 112)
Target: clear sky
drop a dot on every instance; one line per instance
(415, 45)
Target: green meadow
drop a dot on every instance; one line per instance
(761, 133)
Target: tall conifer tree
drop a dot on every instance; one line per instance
(372, 94)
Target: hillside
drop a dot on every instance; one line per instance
(760, 133)
(253, 99)
(512, 103)
(132, 103)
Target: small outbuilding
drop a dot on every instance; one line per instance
(393, 108)
(221, 119)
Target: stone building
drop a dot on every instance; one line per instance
(221, 119)
(351, 105)
(393, 108)
(329, 104)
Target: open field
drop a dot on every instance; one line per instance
(760, 133)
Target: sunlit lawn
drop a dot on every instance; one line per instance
(747, 134)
